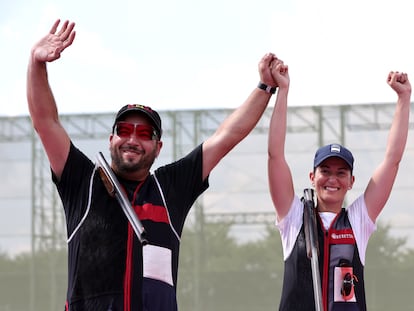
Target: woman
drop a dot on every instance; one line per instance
(343, 232)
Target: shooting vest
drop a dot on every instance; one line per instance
(340, 268)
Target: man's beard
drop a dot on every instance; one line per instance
(126, 167)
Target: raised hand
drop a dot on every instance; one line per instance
(280, 73)
(399, 82)
(53, 44)
(265, 69)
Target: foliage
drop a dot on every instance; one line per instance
(229, 276)
(249, 276)
(216, 273)
(388, 271)
(33, 283)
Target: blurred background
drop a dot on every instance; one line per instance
(195, 61)
(231, 256)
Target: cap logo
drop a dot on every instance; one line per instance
(140, 107)
(335, 148)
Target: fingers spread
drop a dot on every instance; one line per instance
(54, 27)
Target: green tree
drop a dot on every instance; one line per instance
(388, 271)
(217, 273)
(233, 276)
(249, 276)
(32, 283)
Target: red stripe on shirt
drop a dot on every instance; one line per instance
(152, 212)
(128, 270)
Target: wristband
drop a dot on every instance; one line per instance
(266, 88)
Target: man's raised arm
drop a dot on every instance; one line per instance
(42, 105)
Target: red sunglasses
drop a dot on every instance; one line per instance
(142, 131)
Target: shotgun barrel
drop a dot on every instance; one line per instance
(114, 189)
(312, 245)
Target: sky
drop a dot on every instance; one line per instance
(191, 54)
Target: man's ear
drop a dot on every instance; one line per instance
(159, 146)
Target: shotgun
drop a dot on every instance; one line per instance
(312, 247)
(114, 189)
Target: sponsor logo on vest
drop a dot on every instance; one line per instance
(340, 236)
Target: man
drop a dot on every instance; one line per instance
(105, 271)
(343, 233)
